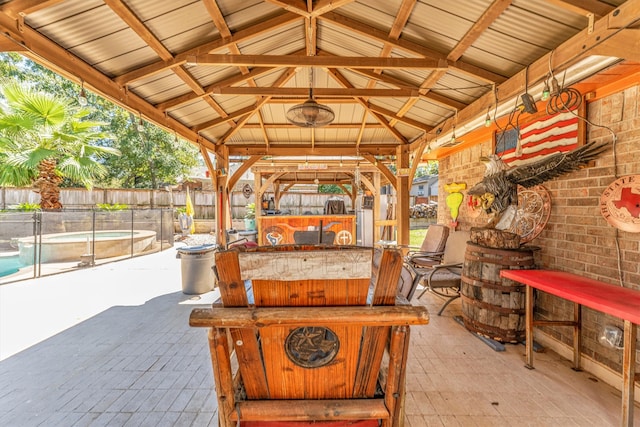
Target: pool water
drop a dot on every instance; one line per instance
(9, 265)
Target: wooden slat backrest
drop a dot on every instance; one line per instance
(308, 276)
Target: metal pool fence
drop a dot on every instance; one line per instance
(40, 243)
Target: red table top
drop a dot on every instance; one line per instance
(620, 302)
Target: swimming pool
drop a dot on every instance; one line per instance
(65, 247)
(9, 264)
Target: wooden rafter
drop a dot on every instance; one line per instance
(409, 46)
(306, 9)
(337, 76)
(429, 96)
(26, 7)
(189, 97)
(285, 77)
(221, 43)
(44, 51)
(584, 7)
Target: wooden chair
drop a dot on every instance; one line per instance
(431, 249)
(314, 343)
(444, 279)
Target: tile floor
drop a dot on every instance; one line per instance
(111, 346)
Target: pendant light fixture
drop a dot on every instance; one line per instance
(82, 96)
(310, 114)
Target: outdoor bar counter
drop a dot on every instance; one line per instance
(289, 229)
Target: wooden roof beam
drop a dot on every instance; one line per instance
(315, 61)
(302, 149)
(317, 92)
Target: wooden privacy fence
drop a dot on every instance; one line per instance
(204, 201)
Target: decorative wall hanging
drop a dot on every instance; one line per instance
(454, 200)
(543, 135)
(497, 192)
(247, 191)
(620, 203)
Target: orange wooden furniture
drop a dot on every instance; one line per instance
(316, 334)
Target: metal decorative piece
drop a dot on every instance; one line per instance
(532, 215)
(312, 347)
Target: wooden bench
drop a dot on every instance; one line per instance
(617, 301)
(316, 333)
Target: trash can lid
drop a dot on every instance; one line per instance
(197, 249)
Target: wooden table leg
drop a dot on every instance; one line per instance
(529, 326)
(628, 372)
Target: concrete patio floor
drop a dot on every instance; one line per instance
(111, 345)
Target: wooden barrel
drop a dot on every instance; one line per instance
(493, 306)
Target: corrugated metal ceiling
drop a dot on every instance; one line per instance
(139, 53)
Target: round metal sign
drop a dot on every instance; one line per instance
(620, 203)
(312, 347)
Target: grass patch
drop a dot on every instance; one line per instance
(417, 236)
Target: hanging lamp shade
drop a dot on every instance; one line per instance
(310, 114)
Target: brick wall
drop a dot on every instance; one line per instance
(577, 238)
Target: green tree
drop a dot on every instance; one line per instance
(149, 159)
(44, 139)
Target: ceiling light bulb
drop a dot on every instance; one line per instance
(546, 92)
(82, 98)
(316, 181)
(140, 125)
(487, 120)
(429, 149)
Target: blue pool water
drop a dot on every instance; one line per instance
(9, 265)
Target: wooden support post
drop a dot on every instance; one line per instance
(403, 187)
(376, 207)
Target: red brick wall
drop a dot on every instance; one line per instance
(577, 238)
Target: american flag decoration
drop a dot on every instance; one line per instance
(545, 135)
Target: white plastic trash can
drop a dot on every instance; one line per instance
(250, 235)
(196, 264)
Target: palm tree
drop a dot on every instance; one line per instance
(44, 139)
